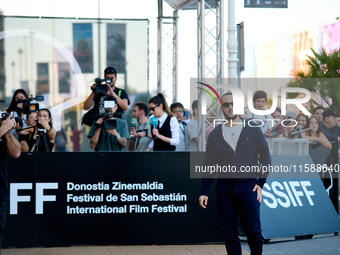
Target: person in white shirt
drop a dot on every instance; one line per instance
(166, 134)
(178, 110)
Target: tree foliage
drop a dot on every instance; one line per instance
(322, 77)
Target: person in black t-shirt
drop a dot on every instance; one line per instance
(8, 145)
(120, 94)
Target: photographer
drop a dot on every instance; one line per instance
(41, 132)
(9, 145)
(26, 141)
(120, 95)
(109, 139)
(17, 107)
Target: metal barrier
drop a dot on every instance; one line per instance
(285, 146)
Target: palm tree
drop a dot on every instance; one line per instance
(322, 78)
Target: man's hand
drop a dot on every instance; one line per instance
(110, 91)
(93, 87)
(100, 121)
(258, 189)
(8, 124)
(112, 132)
(155, 132)
(203, 201)
(139, 135)
(133, 131)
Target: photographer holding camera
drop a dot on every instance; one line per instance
(107, 132)
(25, 140)
(8, 145)
(42, 135)
(16, 106)
(99, 91)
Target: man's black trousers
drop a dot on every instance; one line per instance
(234, 199)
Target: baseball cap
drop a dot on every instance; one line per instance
(110, 70)
(329, 112)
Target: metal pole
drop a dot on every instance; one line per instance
(31, 82)
(232, 44)
(159, 46)
(175, 58)
(99, 59)
(201, 70)
(148, 64)
(13, 72)
(220, 48)
(53, 89)
(20, 51)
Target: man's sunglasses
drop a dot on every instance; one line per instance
(175, 111)
(153, 108)
(226, 105)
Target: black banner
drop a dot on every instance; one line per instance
(126, 198)
(106, 198)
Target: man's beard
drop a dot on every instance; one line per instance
(229, 118)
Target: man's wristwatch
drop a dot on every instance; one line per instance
(118, 136)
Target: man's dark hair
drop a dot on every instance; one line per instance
(226, 94)
(110, 70)
(111, 98)
(174, 105)
(144, 107)
(260, 94)
(319, 107)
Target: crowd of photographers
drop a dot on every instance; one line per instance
(154, 126)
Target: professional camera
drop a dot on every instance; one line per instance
(28, 105)
(104, 112)
(40, 128)
(5, 115)
(101, 85)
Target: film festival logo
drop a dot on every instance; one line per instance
(238, 102)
